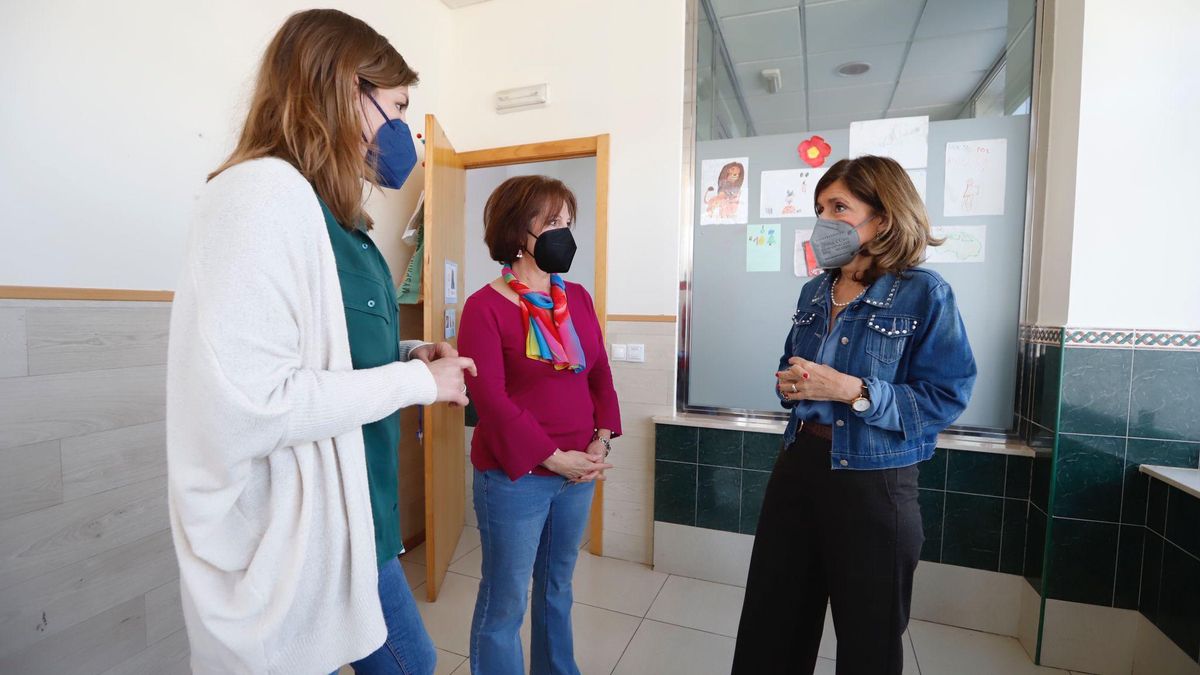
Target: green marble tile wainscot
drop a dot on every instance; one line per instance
(1088, 477)
(1083, 560)
(1017, 476)
(719, 498)
(1047, 378)
(980, 473)
(932, 472)
(676, 443)
(759, 451)
(1035, 546)
(933, 506)
(754, 487)
(1136, 484)
(1179, 599)
(1129, 566)
(1039, 487)
(675, 492)
(1095, 391)
(971, 534)
(720, 447)
(1183, 520)
(1166, 395)
(1013, 534)
(1156, 507)
(1152, 556)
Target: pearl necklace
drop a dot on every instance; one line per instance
(848, 302)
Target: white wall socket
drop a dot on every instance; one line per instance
(619, 353)
(637, 353)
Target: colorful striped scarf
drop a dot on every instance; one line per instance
(551, 337)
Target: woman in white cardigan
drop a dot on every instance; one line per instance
(285, 374)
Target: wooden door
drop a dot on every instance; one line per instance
(445, 431)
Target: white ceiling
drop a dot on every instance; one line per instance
(926, 57)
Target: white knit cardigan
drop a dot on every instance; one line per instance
(267, 482)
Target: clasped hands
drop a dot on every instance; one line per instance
(447, 368)
(804, 380)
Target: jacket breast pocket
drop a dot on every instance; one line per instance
(888, 335)
(364, 294)
(805, 327)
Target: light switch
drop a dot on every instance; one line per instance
(637, 353)
(619, 353)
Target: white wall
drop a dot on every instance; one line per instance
(578, 174)
(613, 67)
(1135, 242)
(114, 112)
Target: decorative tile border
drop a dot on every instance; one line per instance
(1110, 338)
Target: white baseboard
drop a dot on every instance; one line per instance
(1031, 617)
(711, 555)
(1155, 654)
(1088, 638)
(968, 598)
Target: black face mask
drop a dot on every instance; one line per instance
(554, 251)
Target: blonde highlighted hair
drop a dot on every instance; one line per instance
(306, 104)
(903, 234)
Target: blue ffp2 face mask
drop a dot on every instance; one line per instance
(394, 154)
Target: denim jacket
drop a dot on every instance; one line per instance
(906, 333)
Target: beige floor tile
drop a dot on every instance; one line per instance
(618, 585)
(601, 637)
(448, 662)
(449, 619)
(945, 650)
(663, 649)
(468, 541)
(471, 564)
(697, 604)
(413, 572)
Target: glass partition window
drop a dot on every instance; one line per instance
(770, 75)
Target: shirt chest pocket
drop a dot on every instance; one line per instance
(888, 335)
(364, 294)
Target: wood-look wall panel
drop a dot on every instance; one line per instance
(93, 646)
(64, 340)
(13, 359)
(36, 543)
(47, 407)
(94, 463)
(53, 603)
(31, 478)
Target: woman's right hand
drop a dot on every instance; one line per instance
(575, 466)
(448, 374)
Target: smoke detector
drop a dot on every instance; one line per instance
(852, 69)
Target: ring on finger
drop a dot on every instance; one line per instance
(794, 389)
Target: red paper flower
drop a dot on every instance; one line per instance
(814, 151)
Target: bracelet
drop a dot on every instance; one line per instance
(607, 443)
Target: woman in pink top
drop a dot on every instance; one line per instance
(547, 411)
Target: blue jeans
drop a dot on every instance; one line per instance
(408, 649)
(529, 528)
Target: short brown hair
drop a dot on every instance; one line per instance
(515, 206)
(903, 234)
(305, 105)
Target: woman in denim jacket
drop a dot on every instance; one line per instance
(877, 363)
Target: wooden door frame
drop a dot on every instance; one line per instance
(549, 151)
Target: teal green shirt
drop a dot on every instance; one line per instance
(372, 323)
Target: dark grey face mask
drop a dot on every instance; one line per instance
(835, 243)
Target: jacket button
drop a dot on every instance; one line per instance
(844, 463)
(845, 340)
(840, 423)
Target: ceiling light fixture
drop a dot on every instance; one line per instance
(852, 69)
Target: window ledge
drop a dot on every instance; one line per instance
(947, 441)
(1187, 480)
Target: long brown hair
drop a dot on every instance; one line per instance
(305, 108)
(903, 235)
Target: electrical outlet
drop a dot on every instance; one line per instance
(619, 353)
(637, 353)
